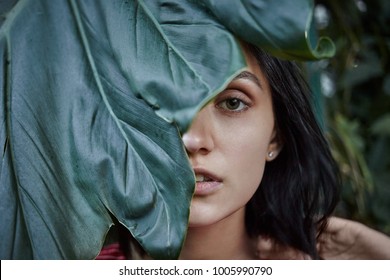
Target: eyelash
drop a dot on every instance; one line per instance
(242, 106)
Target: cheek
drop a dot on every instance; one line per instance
(249, 156)
(251, 167)
(252, 139)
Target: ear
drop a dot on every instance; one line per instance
(274, 147)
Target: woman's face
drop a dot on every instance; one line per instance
(228, 145)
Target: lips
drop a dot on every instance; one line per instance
(206, 182)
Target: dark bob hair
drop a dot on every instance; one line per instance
(300, 188)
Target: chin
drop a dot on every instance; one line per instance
(201, 222)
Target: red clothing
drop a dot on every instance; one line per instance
(111, 252)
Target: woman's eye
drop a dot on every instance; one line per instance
(232, 104)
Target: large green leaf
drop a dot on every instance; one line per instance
(92, 96)
(284, 28)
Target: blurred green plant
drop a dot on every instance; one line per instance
(356, 86)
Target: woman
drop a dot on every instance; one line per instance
(262, 165)
(261, 132)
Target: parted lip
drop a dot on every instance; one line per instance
(207, 174)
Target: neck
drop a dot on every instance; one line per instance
(226, 239)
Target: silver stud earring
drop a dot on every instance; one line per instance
(270, 154)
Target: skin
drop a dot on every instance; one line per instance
(229, 143)
(349, 240)
(269, 249)
(342, 239)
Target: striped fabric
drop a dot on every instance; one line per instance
(111, 252)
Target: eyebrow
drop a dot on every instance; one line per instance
(249, 76)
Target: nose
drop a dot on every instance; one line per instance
(198, 139)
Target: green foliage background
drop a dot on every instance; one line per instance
(356, 101)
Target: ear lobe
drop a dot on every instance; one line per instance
(274, 148)
(272, 154)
